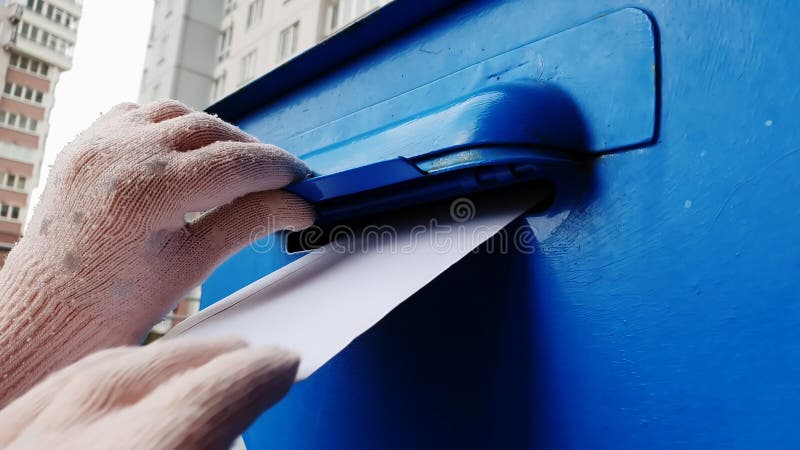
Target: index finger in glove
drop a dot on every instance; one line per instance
(223, 171)
(214, 403)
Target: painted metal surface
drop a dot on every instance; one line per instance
(661, 309)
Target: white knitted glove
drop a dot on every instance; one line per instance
(170, 395)
(108, 252)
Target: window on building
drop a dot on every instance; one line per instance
(31, 65)
(342, 12)
(248, 66)
(10, 211)
(22, 92)
(19, 121)
(65, 48)
(254, 12)
(45, 38)
(287, 41)
(332, 17)
(218, 90)
(53, 13)
(225, 39)
(11, 181)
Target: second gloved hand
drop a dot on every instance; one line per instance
(164, 396)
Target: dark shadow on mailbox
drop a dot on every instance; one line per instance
(458, 365)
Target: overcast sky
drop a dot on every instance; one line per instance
(106, 70)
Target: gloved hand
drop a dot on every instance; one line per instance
(108, 252)
(168, 395)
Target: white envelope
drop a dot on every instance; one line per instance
(320, 303)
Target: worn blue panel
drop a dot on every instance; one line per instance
(606, 65)
(661, 308)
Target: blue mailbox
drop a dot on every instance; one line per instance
(661, 308)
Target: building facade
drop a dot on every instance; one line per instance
(259, 35)
(201, 50)
(38, 37)
(178, 63)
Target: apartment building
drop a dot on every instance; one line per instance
(179, 62)
(202, 50)
(37, 37)
(259, 35)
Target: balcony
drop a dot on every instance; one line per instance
(40, 52)
(71, 6)
(51, 26)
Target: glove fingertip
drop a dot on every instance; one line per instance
(295, 212)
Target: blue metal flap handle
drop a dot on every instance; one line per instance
(530, 113)
(399, 183)
(500, 136)
(353, 181)
(508, 124)
(495, 137)
(397, 171)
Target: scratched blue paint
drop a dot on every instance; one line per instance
(661, 308)
(609, 57)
